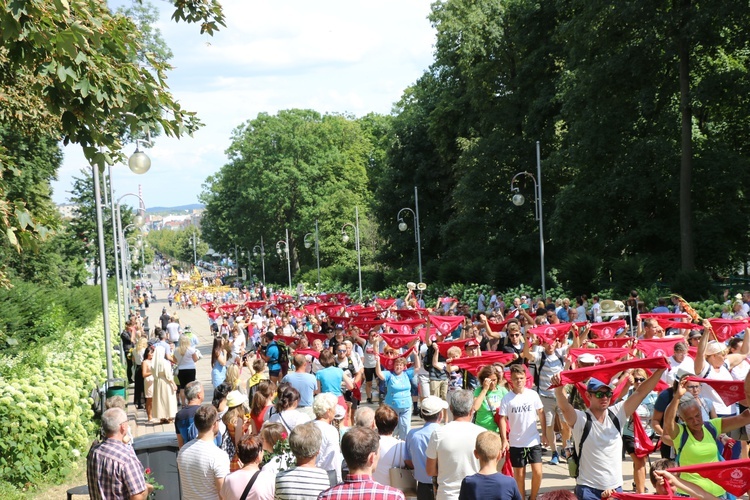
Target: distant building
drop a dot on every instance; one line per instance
(67, 210)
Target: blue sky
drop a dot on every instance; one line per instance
(334, 56)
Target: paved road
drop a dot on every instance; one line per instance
(555, 476)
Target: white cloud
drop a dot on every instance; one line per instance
(329, 55)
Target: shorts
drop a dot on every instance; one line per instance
(550, 407)
(439, 388)
(519, 457)
(628, 444)
(185, 376)
(274, 373)
(423, 381)
(349, 397)
(369, 374)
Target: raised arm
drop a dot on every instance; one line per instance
(700, 357)
(569, 413)
(670, 427)
(378, 372)
(635, 399)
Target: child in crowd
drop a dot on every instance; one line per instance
(488, 483)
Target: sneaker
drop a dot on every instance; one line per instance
(555, 459)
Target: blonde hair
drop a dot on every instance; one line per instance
(454, 352)
(488, 446)
(184, 345)
(142, 343)
(233, 377)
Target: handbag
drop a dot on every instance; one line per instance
(402, 478)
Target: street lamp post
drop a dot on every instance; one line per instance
(345, 237)
(138, 222)
(260, 250)
(308, 244)
(285, 242)
(402, 227)
(194, 240)
(518, 200)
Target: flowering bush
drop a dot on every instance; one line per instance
(45, 410)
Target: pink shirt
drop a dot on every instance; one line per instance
(236, 482)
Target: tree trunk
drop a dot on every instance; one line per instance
(686, 161)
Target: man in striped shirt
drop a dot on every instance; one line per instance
(112, 469)
(360, 448)
(305, 481)
(203, 465)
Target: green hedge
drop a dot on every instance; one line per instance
(45, 404)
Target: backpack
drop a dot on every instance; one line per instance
(283, 356)
(574, 459)
(538, 372)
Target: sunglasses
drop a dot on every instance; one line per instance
(515, 335)
(340, 350)
(693, 387)
(601, 394)
(639, 379)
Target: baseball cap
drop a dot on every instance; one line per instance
(432, 405)
(595, 384)
(695, 334)
(471, 343)
(587, 357)
(715, 347)
(340, 412)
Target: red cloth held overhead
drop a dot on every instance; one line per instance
(603, 355)
(366, 324)
(727, 328)
(446, 324)
(669, 316)
(445, 345)
(287, 340)
(312, 336)
(397, 341)
(732, 475)
(607, 330)
(611, 343)
(311, 309)
(332, 309)
(659, 346)
(497, 326)
(298, 313)
(213, 314)
(548, 333)
(730, 391)
(340, 320)
(475, 363)
(228, 308)
(620, 387)
(312, 352)
(607, 372)
(386, 363)
(208, 306)
(258, 304)
(404, 327)
(666, 324)
(405, 314)
(385, 303)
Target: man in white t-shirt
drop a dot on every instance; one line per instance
(600, 458)
(450, 452)
(173, 330)
(203, 465)
(520, 409)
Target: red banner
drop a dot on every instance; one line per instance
(386, 363)
(727, 328)
(660, 346)
(606, 372)
(643, 444)
(397, 341)
(285, 339)
(404, 327)
(444, 346)
(732, 475)
(549, 333)
(367, 324)
(340, 320)
(258, 304)
(297, 313)
(385, 303)
(667, 316)
(312, 352)
(405, 314)
(446, 324)
(603, 355)
(208, 306)
(229, 308)
(607, 330)
(497, 326)
(312, 336)
(213, 314)
(611, 343)
(331, 309)
(474, 364)
(730, 391)
(666, 324)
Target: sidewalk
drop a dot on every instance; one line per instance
(555, 476)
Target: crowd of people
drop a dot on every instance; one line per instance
(497, 386)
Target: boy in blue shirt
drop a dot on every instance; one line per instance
(488, 484)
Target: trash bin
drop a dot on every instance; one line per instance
(117, 387)
(158, 452)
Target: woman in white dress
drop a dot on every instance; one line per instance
(165, 390)
(147, 372)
